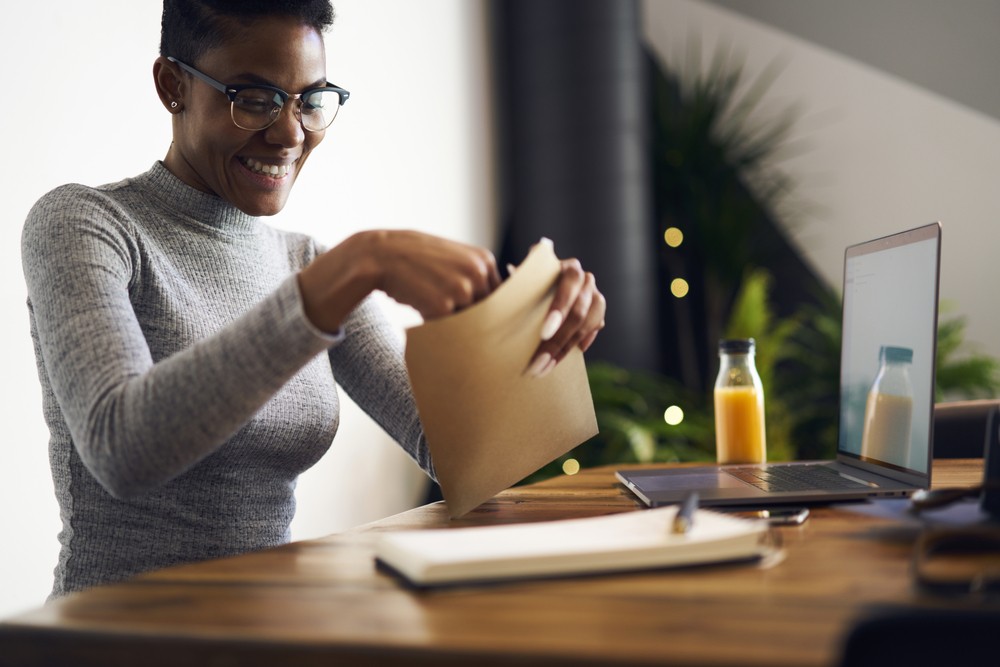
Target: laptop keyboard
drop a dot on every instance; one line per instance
(794, 478)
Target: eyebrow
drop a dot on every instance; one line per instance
(253, 78)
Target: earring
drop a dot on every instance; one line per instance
(173, 105)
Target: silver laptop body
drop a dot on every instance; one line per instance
(890, 308)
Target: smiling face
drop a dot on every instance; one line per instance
(252, 170)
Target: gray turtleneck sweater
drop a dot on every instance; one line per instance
(183, 386)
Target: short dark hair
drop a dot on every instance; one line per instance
(191, 27)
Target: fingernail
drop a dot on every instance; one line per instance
(546, 239)
(511, 269)
(548, 369)
(539, 364)
(552, 324)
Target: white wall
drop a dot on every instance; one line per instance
(410, 149)
(946, 47)
(880, 155)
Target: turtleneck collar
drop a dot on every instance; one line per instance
(200, 207)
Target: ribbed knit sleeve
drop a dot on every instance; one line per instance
(369, 365)
(136, 423)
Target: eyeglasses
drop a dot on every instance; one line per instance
(256, 106)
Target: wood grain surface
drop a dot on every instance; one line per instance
(324, 601)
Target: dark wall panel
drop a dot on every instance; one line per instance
(574, 113)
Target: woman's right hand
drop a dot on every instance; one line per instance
(433, 275)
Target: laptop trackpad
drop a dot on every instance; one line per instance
(694, 482)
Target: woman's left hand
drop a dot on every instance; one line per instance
(575, 317)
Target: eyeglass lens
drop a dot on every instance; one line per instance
(257, 108)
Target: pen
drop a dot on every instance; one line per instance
(685, 515)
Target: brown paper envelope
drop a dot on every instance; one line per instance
(488, 423)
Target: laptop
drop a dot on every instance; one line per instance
(884, 448)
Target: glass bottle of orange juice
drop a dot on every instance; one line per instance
(739, 405)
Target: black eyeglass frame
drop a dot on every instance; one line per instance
(232, 91)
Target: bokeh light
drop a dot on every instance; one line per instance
(673, 415)
(674, 237)
(571, 466)
(679, 288)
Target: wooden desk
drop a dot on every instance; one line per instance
(323, 602)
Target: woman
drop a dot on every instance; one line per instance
(187, 351)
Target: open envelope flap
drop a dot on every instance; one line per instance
(488, 424)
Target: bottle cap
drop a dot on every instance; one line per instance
(891, 355)
(736, 346)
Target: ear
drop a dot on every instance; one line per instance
(169, 84)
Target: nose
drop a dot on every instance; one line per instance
(287, 128)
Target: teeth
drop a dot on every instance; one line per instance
(272, 170)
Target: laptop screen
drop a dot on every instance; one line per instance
(888, 350)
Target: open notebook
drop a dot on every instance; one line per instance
(618, 542)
